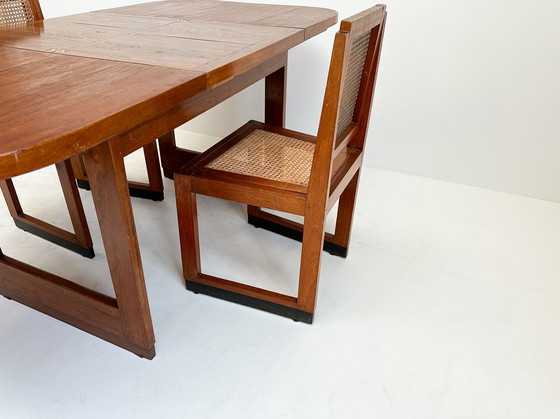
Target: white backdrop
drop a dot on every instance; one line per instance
(467, 92)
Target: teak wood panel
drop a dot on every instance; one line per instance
(220, 49)
(46, 35)
(313, 20)
(212, 60)
(115, 98)
(13, 58)
(115, 20)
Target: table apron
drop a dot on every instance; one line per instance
(144, 133)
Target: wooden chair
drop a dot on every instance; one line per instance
(271, 167)
(14, 12)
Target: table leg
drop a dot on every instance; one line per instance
(106, 172)
(275, 97)
(275, 114)
(125, 320)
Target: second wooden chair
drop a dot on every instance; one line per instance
(271, 167)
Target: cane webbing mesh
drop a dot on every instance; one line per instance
(270, 156)
(352, 82)
(15, 11)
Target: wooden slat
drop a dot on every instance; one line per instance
(170, 52)
(52, 295)
(219, 31)
(235, 12)
(248, 290)
(117, 20)
(314, 21)
(161, 8)
(243, 192)
(365, 20)
(115, 98)
(12, 58)
(239, 12)
(51, 35)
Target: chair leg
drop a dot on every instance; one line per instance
(188, 227)
(74, 204)
(151, 190)
(154, 188)
(79, 241)
(345, 216)
(79, 169)
(11, 198)
(311, 250)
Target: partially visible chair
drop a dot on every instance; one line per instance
(13, 12)
(16, 12)
(153, 189)
(271, 167)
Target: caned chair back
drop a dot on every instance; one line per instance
(348, 96)
(13, 12)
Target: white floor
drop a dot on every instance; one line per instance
(447, 307)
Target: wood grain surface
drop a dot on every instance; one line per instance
(105, 72)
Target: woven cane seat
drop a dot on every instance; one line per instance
(13, 12)
(268, 155)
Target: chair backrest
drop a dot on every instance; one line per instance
(348, 96)
(13, 12)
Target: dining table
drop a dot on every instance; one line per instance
(102, 84)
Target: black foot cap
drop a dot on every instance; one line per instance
(146, 194)
(53, 238)
(136, 192)
(333, 249)
(83, 184)
(292, 313)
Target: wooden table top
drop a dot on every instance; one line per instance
(72, 82)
